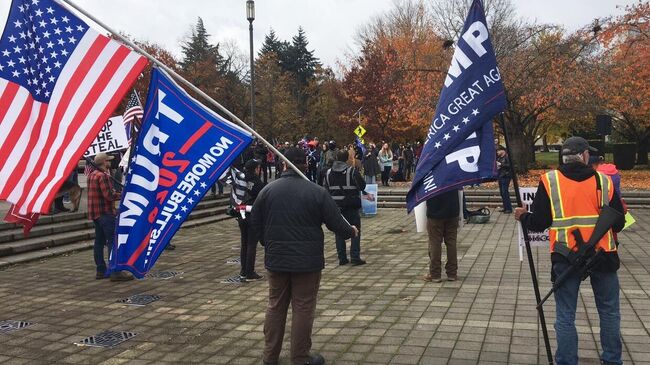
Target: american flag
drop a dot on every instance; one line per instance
(133, 116)
(59, 83)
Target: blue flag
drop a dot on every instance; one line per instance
(459, 149)
(360, 145)
(182, 149)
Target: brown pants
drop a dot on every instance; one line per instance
(439, 230)
(301, 290)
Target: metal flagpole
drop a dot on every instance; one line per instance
(529, 253)
(186, 83)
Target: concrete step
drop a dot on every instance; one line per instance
(88, 244)
(42, 254)
(402, 205)
(45, 242)
(83, 230)
(16, 234)
(46, 219)
(475, 204)
(485, 198)
(72, 221)
(206, 220)
(643, 195)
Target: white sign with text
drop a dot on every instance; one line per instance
(536, 238)
(112, 137)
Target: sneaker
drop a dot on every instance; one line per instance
(121, 276)
(315, 359)
(452, 278)
(344, 262)
(429, 278)
(358, 262)
(242, 279)
(100, 275)
(254, 276)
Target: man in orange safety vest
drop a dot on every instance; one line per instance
(568, 199)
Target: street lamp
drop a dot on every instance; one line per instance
(250, 15)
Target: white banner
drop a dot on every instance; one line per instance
(536, 238)
(112, 137)
(369, 201)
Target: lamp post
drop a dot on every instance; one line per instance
(250, 15)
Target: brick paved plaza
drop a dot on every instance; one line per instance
(380, 313)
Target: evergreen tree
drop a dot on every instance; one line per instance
(302, 62)
(198, 50)
(280, 48)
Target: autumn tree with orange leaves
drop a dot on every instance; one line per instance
(394, 79)
(625, 75)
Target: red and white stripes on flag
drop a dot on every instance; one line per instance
(42, 141)
(133, 116)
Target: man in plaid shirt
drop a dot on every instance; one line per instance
(101, 210)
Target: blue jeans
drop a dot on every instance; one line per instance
(104, 236)
(371, 179)
(353, 217)
(504, 183)
(606, 292)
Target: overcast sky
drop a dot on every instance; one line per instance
(330, 25)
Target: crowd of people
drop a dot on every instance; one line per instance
(393, 162)
(286, 217)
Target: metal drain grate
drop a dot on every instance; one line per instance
(139, 299)
(10, 326)
(106, 339)
(231, 280)
(235, 261)
(164, 275)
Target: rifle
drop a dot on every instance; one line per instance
(587, 257)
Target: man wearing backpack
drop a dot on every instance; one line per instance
(344, 184)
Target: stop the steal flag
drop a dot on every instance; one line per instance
(181, 151)
(459, 149)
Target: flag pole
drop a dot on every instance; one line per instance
(188, 84)
(529, 253)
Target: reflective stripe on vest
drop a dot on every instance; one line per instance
(563, 224)
(335, 190)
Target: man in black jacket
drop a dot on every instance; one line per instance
(442, 225)
(287, 217)
(344, 184)
(252, 170)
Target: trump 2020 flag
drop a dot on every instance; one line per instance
(59, 82)
(182, 149)
(459, 149)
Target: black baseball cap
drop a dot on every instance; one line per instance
(576, 145)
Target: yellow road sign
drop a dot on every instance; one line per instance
(360, 131)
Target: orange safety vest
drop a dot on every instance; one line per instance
(576, 205)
